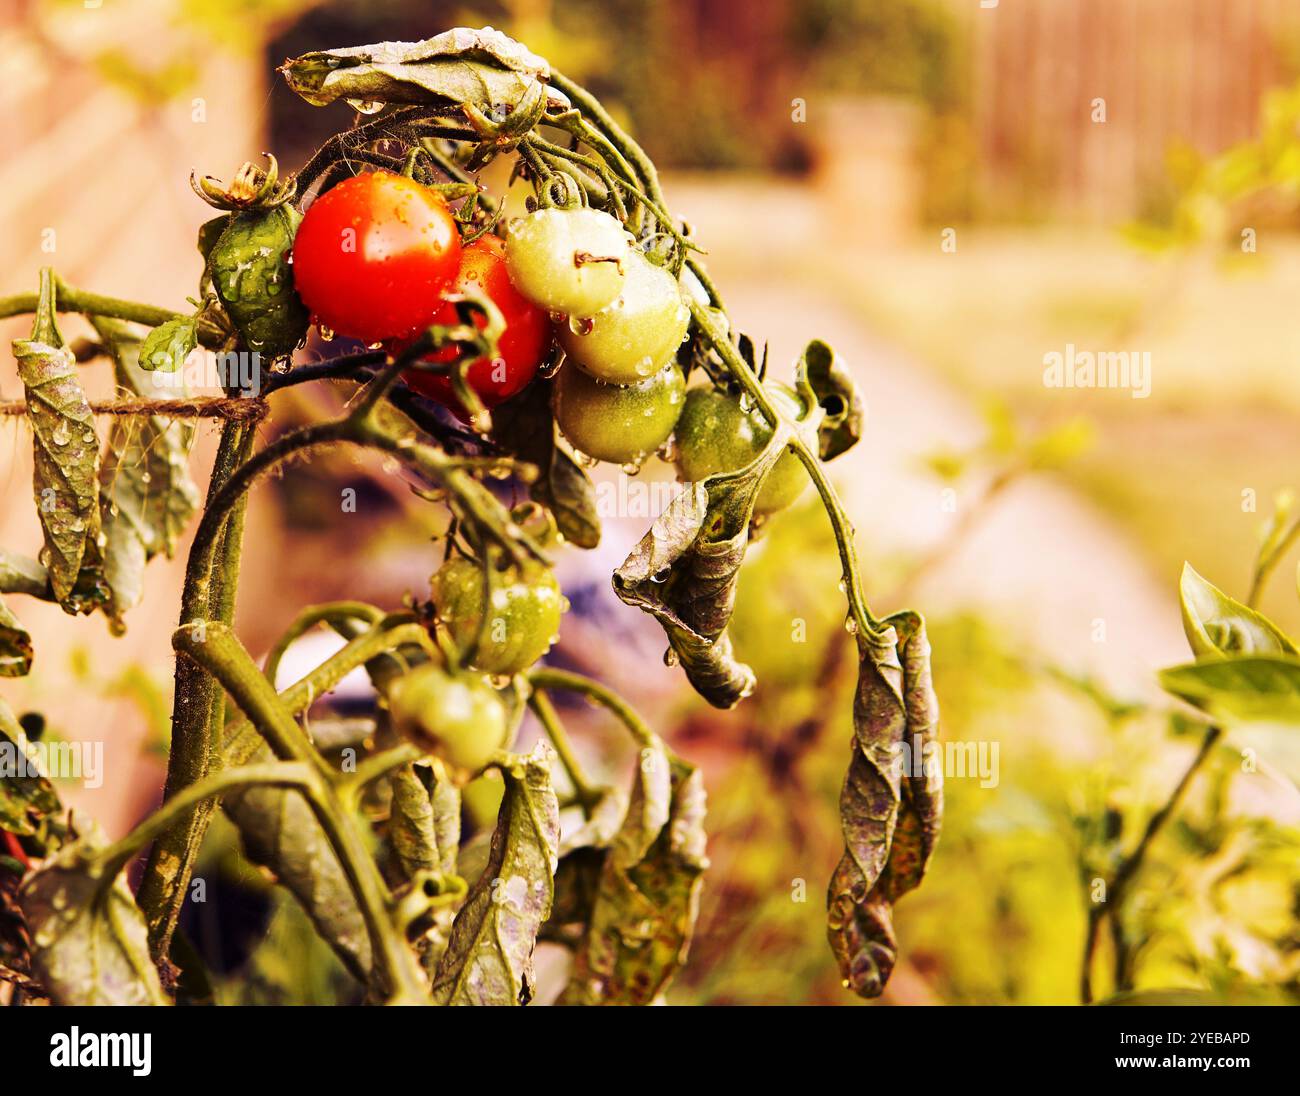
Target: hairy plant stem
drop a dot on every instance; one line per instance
(1129, 867)
(214, 646)
(196, 708)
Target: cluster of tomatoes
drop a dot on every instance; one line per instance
(380, 258)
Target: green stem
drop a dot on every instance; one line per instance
(581, 98)
(241, 737)
(197, 710)
(308, 619)
(1133, 862)
(1265, 564)
(381, 764)
(80, 300)
(217, 649)
(863, 619)
(583, 791)
(547, 678)
(280, 774)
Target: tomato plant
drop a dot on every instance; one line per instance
(456, 717)
(378, 256)
(635, 335)
(521, 347)
(717, 434)
(374, 254)
(622, 424)
(502, 621)
(568, 260)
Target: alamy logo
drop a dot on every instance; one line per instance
(82, 761)
(1129, 369)
(102, 1049)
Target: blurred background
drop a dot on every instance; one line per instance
(946, 191)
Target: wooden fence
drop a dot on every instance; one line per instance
(1191, 70)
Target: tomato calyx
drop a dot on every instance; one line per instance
(251, 188)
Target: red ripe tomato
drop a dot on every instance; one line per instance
(373, 256)
(521, 347)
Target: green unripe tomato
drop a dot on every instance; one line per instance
(716, 435)
(568, 260)
(635, 336)
(523, 614)
(622, 424)
(456, 717)
(250, 270)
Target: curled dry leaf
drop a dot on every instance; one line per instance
(480, 68)
(489, 958)
(89, 941)
(891, 804)
(146, 494)
(15, 645)
(66, 459)
(822, 379)
(684, 573)
(29, 805)
(410, 823)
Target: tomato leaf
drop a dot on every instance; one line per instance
(146, 494)
(525, 427)
(481, 68)
(166, 347)
(489, 958)
(821, 378)
(66, 460)
(23, 575)
(684, 573)
(884, 856)
(28, 801)
(1218, 626)
(15, 645)
(410, 823)
(644, 907)
(280, 832)
(90, 945)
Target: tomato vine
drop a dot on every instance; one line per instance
(380, 255)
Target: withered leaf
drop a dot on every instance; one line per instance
(480, 68)
(890, 819)
(146, 493)
(15, 645)
(280, 832)
(23, 575)
(66, 459)
(684, 572)
(822, 379)
(644, 907)
(410, 823)
(489, 958)
(28, 801)
(90, 945)
(525, 427)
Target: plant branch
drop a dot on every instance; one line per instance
(583, 791)
(216, 648)
(1129, 867)
(547, 678)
